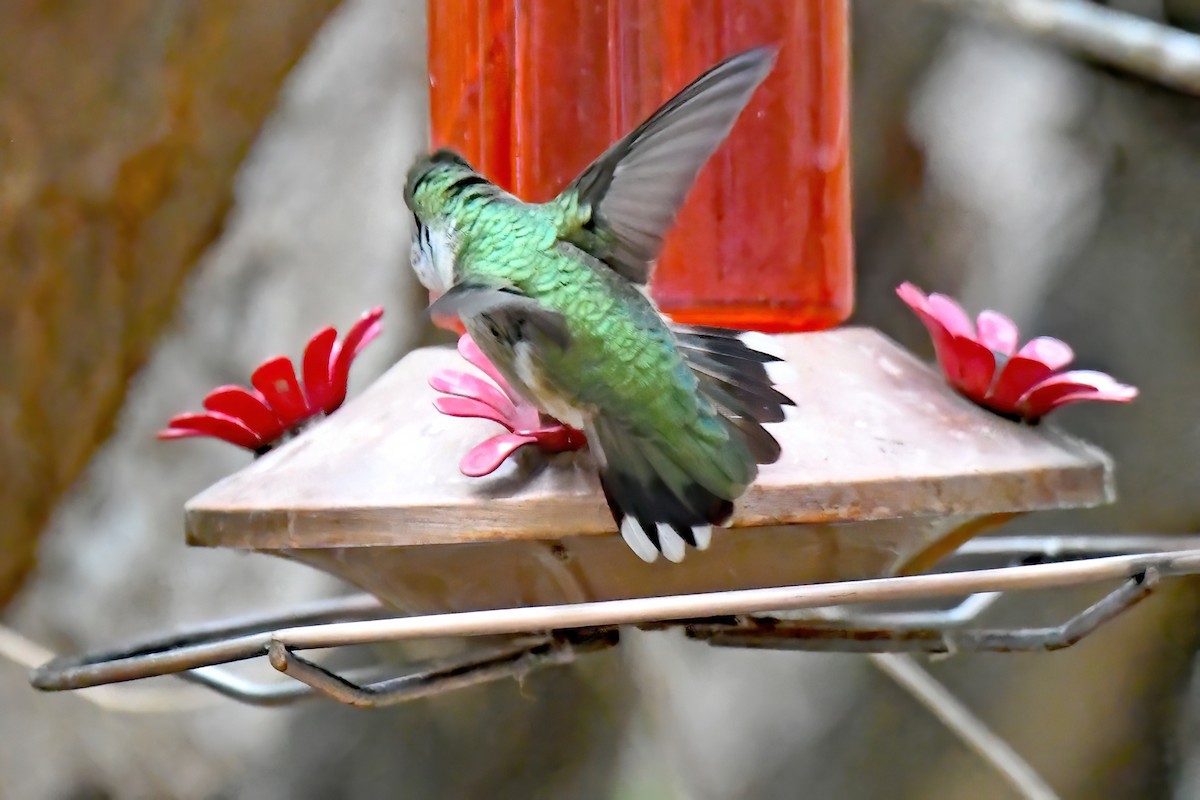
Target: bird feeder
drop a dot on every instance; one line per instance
(887, 474)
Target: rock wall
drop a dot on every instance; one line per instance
(121, 126)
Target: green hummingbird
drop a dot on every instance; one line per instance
(554, 294)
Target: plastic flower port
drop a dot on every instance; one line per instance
(471, 396)
(983, 363)
(277, 408)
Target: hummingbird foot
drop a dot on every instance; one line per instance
(468, 395)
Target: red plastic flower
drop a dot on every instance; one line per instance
(277, 408)
(471, 396)
(982, 361)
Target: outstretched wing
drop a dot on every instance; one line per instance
(628, 198)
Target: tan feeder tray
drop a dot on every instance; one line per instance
(885, 474)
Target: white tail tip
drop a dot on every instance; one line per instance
(673, 546)
(638, 541)
(762, 342)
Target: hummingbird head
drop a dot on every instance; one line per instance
(433, 192)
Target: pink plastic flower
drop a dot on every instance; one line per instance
(277, 408)
(982, 361)
(471, 396)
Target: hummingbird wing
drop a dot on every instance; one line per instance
(628, 197)
(511, 313)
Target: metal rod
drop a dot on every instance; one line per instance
(255, 693)
(960, 614)
(757, 633)
(121, 699)
(746, 601)
(66, 673)
(511, 662)
(205, 645)
(1079, 544)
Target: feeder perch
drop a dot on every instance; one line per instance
(885, 473)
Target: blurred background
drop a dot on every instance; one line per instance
(188, 188)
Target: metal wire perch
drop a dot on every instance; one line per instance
(825, 616)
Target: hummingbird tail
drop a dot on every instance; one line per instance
(666, 493)
(737, 371)
(658, 505)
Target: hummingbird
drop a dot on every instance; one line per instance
(556, 295)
